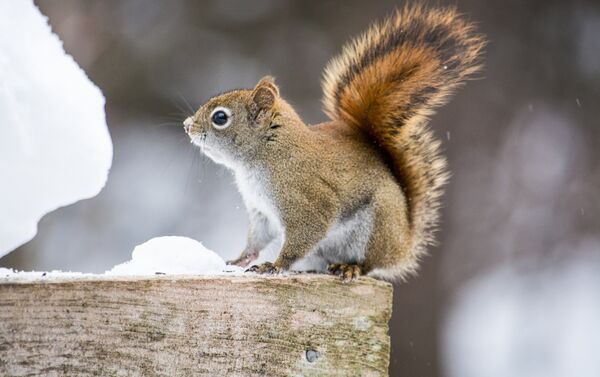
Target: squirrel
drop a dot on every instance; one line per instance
(359, 194)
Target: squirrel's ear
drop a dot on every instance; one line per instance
(265, 93)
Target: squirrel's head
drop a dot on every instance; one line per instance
(231, 127)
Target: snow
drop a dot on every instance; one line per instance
(55, 148)
(10, 274)
(170, 255)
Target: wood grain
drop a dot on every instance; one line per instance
(304, 325)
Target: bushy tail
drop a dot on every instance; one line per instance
(388, 81)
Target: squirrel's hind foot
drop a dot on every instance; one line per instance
(266, 268)
(348, 272)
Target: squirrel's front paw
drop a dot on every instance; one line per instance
(348, 272)
(267, 268)
(244, 259)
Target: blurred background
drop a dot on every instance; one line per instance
(514, 287)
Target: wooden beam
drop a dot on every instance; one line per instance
(210, 326)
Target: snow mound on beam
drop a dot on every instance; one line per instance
(171, 255)
(55, 148)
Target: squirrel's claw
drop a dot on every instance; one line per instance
(266, 268)
(348, 272)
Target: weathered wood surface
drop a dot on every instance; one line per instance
(220, 326)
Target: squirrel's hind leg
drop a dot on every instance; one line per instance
(390, 253)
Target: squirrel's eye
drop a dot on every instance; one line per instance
(221, 117)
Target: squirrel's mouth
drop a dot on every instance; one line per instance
(207, 149)
(199, 140)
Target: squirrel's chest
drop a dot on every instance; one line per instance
(256, 192)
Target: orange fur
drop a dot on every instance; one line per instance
(387, 82)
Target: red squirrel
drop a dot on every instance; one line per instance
(359, 194)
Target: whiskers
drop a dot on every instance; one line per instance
(193, 163)
(176, 119)
(187, 107)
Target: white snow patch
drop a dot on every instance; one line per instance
(55, 148)
(171, 255)
(9, 273)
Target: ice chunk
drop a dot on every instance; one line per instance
(170, 255)
(55, 148)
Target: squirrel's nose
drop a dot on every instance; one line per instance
(187, 124)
